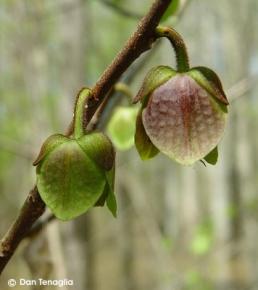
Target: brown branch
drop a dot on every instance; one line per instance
(32, 209)
(138, 43)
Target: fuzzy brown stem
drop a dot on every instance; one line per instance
(32, 209)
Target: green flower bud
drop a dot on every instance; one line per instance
(76, 173)
(72, 175)
(183, 114)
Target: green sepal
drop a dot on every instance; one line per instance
(143, 143)
(108, 195)
(111, 204)
(50, 144)
(209, 80)
(111, 199)
(101, 201)
(69, 182)
(212, 157)
(155, 77)
(99, 148)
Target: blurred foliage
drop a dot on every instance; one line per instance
(203, 238)
(195, 281)
(121, 127)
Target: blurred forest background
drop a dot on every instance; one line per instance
(178, 228)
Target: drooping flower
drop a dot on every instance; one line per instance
(183, 114)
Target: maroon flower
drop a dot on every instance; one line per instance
(183, 115)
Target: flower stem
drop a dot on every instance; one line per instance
(178, 44)
(79, 108)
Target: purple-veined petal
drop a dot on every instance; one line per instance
(183, 120)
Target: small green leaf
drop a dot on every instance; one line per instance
(99, 148)
(121, 127)
(171, 10)
(50, 143)
(156, 77)
(212, 157)
(143, 143)
(69, 182)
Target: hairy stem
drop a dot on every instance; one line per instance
(80, 106)
(178, 44)
(32, 209)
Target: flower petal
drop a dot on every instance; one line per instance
(183, 120)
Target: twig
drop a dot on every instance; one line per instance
(138, 43)
(32, 209)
